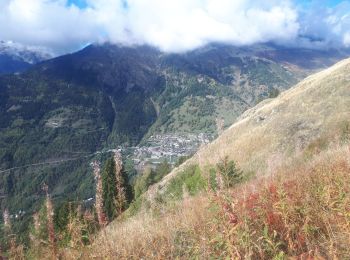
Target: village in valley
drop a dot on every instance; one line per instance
(168, 147)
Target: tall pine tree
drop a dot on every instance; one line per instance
(117, 192)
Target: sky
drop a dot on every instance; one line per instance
(174, 25)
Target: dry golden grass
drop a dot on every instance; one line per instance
(177, 232)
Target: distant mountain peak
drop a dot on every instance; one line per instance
(20, 52)
(16, 57)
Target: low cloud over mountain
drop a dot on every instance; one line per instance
(174, 26)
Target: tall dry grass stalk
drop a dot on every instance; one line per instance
(7, 221)
(34, 235)
(120, 200)
(101, 217)
(220, 123)
(220, 181)
(36, 222)
(50, 223)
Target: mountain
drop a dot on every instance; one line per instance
(304, 119)
(61, 113)
(15, 57)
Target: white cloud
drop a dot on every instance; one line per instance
(170, 25)
(184, 24)
(46, 23)
(327, 26)
(347, 39)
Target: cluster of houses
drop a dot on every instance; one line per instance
(168, 147)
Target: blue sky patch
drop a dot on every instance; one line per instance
(79, 3)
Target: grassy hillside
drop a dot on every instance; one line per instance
(299, 211)
(296, 206)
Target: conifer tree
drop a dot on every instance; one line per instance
(228, 173)
(116, 190)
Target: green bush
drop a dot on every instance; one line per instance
(134, 207)
(191, 179)
(149, 177)
(273, 93)
(230, 173)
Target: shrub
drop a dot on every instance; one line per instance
(191, 178)
(143, 181)
(134, 207)
(273, 93)
(229, 172)
(149, 177)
